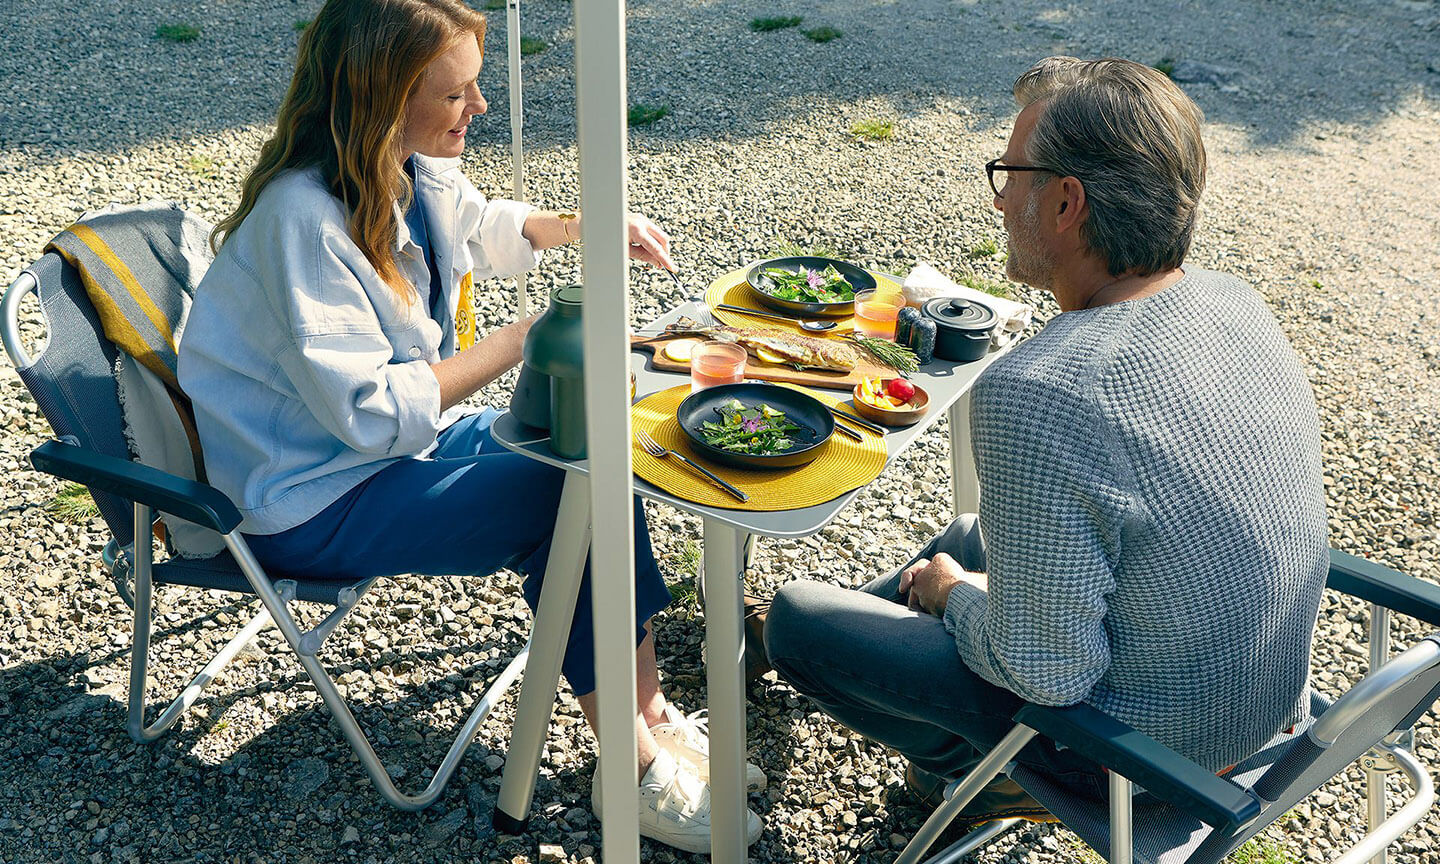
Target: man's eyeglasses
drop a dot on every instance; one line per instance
(995, 165)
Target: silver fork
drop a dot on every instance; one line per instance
(709, 318)
(653, 447)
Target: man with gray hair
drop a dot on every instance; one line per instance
(1151, 499)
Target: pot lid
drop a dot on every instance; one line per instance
(959, 313)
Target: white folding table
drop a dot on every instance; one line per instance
(725, 534)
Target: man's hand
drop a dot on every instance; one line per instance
(927, 582)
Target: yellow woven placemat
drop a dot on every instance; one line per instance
(842, 465)
(731, 289)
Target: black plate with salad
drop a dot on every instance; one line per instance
(806, 285)
(755, 425)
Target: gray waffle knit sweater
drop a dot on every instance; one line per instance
(1154, 519)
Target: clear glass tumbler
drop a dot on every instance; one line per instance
(875, 313)
(714, 362)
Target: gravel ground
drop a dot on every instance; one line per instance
(1322, 127)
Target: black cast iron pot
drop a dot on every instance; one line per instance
(962, 327)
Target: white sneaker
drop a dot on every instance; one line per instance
(675, 806)
(688, 740)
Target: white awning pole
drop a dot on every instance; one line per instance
(601, 104)
(517, 121)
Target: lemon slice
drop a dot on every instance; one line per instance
(771, 357)
(680, 350)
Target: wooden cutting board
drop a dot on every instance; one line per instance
(768, 371)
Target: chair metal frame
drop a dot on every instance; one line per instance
(1212, 799)
(150, 490)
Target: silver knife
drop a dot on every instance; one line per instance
(718, 482)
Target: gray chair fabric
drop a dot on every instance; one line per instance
(73, 380)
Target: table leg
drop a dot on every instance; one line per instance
(558, 593)
(725, 662)
(964, 485)
(748, 544)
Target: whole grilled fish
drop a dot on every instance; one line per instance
(800, 351)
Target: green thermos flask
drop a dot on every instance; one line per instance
(551, 391)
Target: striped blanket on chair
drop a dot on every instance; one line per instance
(140, 266)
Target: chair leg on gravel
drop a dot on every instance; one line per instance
(975, 840)
(988, 769)
(140, 647)
(277, 604)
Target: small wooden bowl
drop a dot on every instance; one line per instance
(919, 405)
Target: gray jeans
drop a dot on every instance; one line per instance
(895, 676)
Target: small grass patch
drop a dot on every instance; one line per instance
(683, 595)
(1263, 850)
(1316, 284)
(986, 248)
(687, 569)
(300, 25)
(873, 129)
(72, 504)
(689, 560)
(532, 45)
(788, 249)
(779, 22)
(177, 33)
(201, 166)
(1083, 853)
(822, 34)
(494, 5)
(989, 286)
(644, 115)
(1166, 65)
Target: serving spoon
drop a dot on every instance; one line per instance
(812, 326)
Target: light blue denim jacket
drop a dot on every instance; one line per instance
(306, 371)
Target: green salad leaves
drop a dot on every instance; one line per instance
(755, 431)
(809, 286)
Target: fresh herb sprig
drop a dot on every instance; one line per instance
(897, 357)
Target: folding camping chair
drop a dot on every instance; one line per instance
(1187, 814)
(74, 386)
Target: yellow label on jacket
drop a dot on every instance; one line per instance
(465, 313)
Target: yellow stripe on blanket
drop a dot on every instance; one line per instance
(117, 327)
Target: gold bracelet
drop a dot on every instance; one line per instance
(567, 218)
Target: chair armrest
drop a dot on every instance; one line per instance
(1378, 584)
(1161, 771)
(188, 499)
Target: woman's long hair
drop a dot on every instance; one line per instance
(358, 63)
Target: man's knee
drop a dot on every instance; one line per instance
(793, 626)
(961, 540)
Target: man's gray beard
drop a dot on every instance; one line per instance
(1027, 262)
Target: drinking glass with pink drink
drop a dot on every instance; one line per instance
(713, 363)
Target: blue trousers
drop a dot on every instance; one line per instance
(468, 509)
